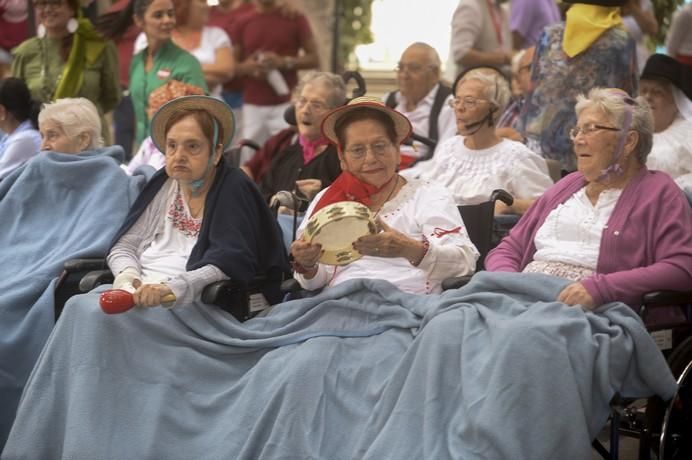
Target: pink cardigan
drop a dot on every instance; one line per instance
(646, 245)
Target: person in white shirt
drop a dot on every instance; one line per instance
(477, 161)
(422, 238)
(480, 35)
(18, 122)
(667, 86)
(423, 98)
(679, 38)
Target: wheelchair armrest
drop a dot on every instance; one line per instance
(95, 278)
(214, 293)
(455, 282)
(502, 195)
(667, 298)
(81, 265)
(290, 285)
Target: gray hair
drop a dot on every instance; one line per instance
(76, 115)
(496, 87)
(614, 104)
(335, 84)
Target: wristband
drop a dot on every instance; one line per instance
(298, 268)
(426, 248)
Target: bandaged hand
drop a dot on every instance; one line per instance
(576, 294)
(128, 280)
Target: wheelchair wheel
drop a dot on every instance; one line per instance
(676, 431)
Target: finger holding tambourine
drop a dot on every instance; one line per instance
(306, 254)
(387, 243)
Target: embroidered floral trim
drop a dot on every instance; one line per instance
(181, 219)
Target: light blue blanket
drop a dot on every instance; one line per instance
(54, 208)
(363, 371)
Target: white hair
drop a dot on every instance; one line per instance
(75, 115)
(614, 104)
(496, 87)
(333, 82)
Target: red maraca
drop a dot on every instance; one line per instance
(119, 301)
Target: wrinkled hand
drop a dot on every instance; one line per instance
(306, 254)
(309, 187)
(150, 295)
(576, 294)
(502, 208)
(389, 243)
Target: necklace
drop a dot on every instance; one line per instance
(391, 192)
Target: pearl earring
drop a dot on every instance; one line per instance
(41, 31)
(72, 25)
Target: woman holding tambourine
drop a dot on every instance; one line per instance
(413, 234)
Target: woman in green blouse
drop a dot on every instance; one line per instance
(160, 61)
(68, 58)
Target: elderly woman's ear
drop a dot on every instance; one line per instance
(84, 141)
(631, 142)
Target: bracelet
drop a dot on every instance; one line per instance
(298, 268)
(426, 248)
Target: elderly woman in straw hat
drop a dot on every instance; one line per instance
(422, 239)
(176, 239)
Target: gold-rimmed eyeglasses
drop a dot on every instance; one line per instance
(467, 102)
(588, 129)
(378, 149)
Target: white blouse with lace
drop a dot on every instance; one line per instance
(419, 208)
(472, 175)
(572, 231)
(672, 152)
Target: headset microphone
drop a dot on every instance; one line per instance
(477, 124)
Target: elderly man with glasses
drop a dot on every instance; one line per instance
(423, 99)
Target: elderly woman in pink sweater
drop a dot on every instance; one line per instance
(614, 228)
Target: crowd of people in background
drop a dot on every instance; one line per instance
(550, 101)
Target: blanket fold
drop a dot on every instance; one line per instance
(496, 369)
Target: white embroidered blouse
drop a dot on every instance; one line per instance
(472, 175)
(419, 208)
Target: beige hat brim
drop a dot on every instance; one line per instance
(401, 124)
(217, 108)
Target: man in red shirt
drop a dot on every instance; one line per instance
(270, 47)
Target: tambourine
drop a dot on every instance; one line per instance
(336, 227)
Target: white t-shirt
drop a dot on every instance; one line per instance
(212, 39)
(420, 208)
(420, 121)
(572, 231)
(472, 175)
(672, 152)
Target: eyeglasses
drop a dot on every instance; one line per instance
(378, 149)
(468, 102)
(412, 68)
(588, 129)
(318, 106)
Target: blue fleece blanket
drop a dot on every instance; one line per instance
(363, 371)
(54, 208)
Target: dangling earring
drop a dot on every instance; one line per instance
(41, 31)
(72, 25)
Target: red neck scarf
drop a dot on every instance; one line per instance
(310, 147)
(348, 187)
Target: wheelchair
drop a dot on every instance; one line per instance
(241, 300)
(662, 428)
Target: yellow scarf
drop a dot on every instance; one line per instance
(585, 23)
